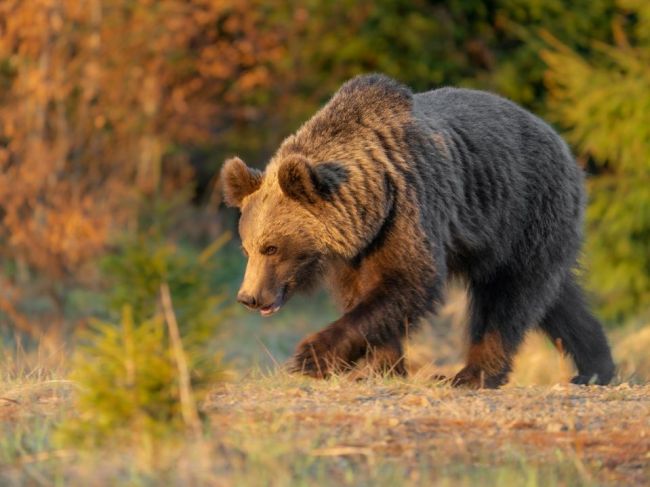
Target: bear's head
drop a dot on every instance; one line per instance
(280, 227)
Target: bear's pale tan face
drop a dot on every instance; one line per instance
(283, 257)
(280, 237)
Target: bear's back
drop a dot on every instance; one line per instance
(511, 169)
(477, 113)
(488, 129)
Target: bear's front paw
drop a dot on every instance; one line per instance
(319, 356)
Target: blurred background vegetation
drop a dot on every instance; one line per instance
(115, 116)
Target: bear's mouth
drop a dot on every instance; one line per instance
(275, 306)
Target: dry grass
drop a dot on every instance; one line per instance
(604, 432)
(277, 429)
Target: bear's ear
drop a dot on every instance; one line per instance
(298, 180)
(238, 181)
(309, 183)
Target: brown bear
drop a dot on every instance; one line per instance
(385, 194)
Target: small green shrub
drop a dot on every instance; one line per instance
(128, 375)
(136, 272)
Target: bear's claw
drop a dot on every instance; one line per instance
(318, 356)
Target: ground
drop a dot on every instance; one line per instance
(263, 426)
(276, 429)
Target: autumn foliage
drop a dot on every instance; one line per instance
(98, 102)
(108, 105)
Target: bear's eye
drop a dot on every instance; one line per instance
(269, 250)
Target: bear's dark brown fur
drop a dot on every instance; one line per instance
(385, 195)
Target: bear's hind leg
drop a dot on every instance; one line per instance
(570, 324)
(502, 309)
(489, 362)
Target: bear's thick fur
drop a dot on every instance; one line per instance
(386, 194)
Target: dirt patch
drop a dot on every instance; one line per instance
(605, 431)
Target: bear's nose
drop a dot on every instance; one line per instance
(247, 300)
